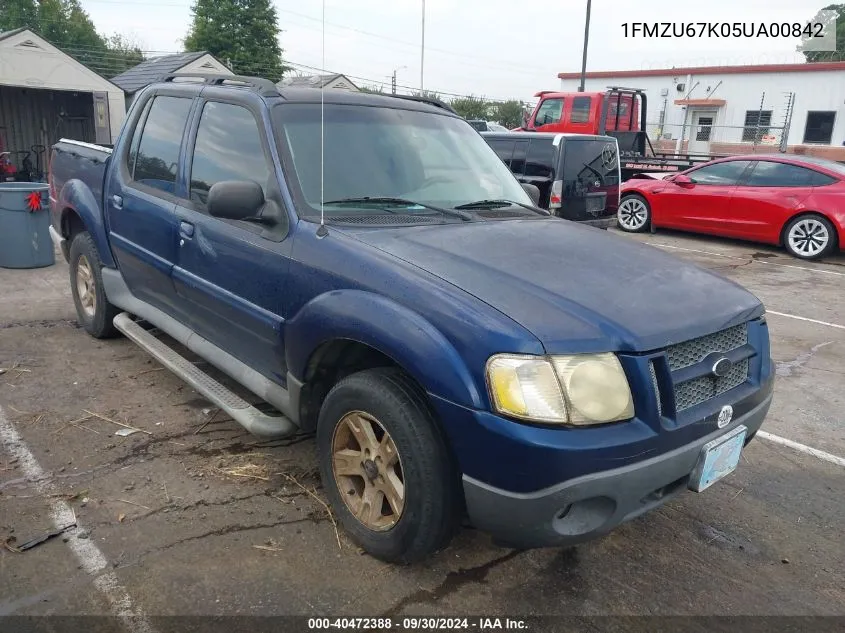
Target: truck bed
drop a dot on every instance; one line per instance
(80, 161)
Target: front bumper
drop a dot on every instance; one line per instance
(589, 506)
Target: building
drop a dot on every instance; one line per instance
(45, 95)
(151, 70)
(337, 81)
(797, 108)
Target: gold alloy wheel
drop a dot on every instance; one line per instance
(85, 286)
(368, 471)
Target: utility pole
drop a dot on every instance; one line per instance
(422, 49)
(393, 84)
(586, 41)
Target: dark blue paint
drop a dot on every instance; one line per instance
(439, 300)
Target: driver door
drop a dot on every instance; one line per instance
(703, 204)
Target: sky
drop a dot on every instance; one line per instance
(494, 48)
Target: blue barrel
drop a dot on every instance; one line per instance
(25, 225)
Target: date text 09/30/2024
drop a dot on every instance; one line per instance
(421, 623)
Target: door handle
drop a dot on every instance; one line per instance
(186, 230)
(117, 201)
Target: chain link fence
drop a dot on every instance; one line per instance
(704, 138)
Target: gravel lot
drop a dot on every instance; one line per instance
(192, 516)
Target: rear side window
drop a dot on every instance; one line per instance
(549, 112)
(158, 151)
(727, 173)
(503, 149)
(228, 147)
(820, 180)
(580, 110)
(770, 174)
(540, 159)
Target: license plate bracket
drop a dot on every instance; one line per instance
(718, 459)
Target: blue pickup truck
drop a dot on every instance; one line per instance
(369, 267)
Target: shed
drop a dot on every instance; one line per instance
(45, 95)
(151, 70)
(337, 81)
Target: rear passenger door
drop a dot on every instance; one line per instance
(231, 275)
(140, 197)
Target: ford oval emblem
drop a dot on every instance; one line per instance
(722, 367)
(725, 416)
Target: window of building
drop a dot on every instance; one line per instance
(819, 128)
(757, 124)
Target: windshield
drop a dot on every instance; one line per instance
(378, 152)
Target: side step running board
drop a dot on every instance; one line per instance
(240, 410)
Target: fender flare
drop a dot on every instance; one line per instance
(394, 330)
(76, 196)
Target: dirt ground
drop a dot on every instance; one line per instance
(193, 516)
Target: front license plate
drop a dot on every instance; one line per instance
(718, 459)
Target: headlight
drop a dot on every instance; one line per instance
(579, 390)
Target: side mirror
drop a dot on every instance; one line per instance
(682, 180)
(235, 199)
(533, 191)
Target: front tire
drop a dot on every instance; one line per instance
(386, 468)
(93, 310)
(809, 237)
(634, 214)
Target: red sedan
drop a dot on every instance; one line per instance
(794, 201)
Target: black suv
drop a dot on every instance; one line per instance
(578, 175)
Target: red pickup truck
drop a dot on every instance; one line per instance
(585, 112)
(618, 112)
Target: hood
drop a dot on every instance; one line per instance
(576, 288)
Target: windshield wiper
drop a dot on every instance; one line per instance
(499, 204)
(387, 200)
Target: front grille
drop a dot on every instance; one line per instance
(692, 352)
(656, 387)
(698, 390)
(703, 388)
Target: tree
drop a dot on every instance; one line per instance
(242, 33)
(374, 89)
(66, 25)
(471, 107)
(509, 113)
(827, 19)
(124, 53)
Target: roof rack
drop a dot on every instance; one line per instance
(264, 87)
(435, 102)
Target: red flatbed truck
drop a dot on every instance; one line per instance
(619, 112)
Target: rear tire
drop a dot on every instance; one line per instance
(634, 214)
(809, 236)
(386, 468)
(93, 310)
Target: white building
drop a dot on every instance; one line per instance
(46, 94)
(729, 109)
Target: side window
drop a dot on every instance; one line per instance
(540, 158)
(580, 110)
(503, 149)
(771, 174)
(518, 158)
(820, 180)
(158, 150)
(136, 138)
(549, 112)
(727, 173)
(228, 147)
